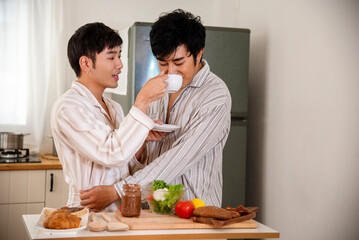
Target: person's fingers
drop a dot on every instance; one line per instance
(152, 136)
(87, 202)
(89, 206)
(85, 195)
(162, 80)
(157, 135)
(148, 138)
(92, 207)
(159, 121)
(160, 77)
(162, 134)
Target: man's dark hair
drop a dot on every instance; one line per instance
(88, 40)
(174, 29)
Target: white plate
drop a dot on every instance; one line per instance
(165, 127)
(39, 224)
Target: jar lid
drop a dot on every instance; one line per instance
(131, 187)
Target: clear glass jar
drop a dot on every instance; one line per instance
(131, 200)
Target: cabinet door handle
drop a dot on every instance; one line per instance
(51, 182)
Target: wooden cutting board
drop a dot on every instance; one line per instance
(149, 221)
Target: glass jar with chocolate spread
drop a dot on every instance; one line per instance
(131, 200)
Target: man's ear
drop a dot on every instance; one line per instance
(199, 56)
(85, 64)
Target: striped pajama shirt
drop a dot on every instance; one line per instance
(191, 155)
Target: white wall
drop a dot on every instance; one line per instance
(303, 157)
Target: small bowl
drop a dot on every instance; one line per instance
(159, 206)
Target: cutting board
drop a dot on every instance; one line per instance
(149, 221)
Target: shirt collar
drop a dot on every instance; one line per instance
(85, 92)
(200, 77)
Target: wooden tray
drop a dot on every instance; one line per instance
(147, 220)
(221, 223)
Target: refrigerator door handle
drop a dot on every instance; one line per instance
(239, 121)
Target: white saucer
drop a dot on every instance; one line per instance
(39, 224)
(165, 127)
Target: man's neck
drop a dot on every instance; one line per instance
(200, 66)
(94, 89)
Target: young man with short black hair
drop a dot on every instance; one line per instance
(95, 142)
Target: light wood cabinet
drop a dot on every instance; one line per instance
(4, 186)
(16, 228)
(22, 186)
(56, 190)
(28, 192)
(4, 223)
(27, 186)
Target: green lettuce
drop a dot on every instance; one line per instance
(173, 195)
(159, 184)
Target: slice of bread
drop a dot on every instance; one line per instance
(48, 212)
(80, 213)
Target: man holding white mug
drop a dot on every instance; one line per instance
(174, 83)
(192, 154)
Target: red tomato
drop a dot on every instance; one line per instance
(184, 209)
(150, 197)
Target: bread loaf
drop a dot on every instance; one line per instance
(62, 219)
(212, 212)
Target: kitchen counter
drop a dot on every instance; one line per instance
(261, 232)
(46, 163)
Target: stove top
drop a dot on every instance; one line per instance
(20, 160)
(17, 156)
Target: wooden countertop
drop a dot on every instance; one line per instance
(46, 163)
(261, 231)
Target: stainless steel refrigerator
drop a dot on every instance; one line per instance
(227, 52)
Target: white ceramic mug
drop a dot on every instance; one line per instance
(174, 83)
